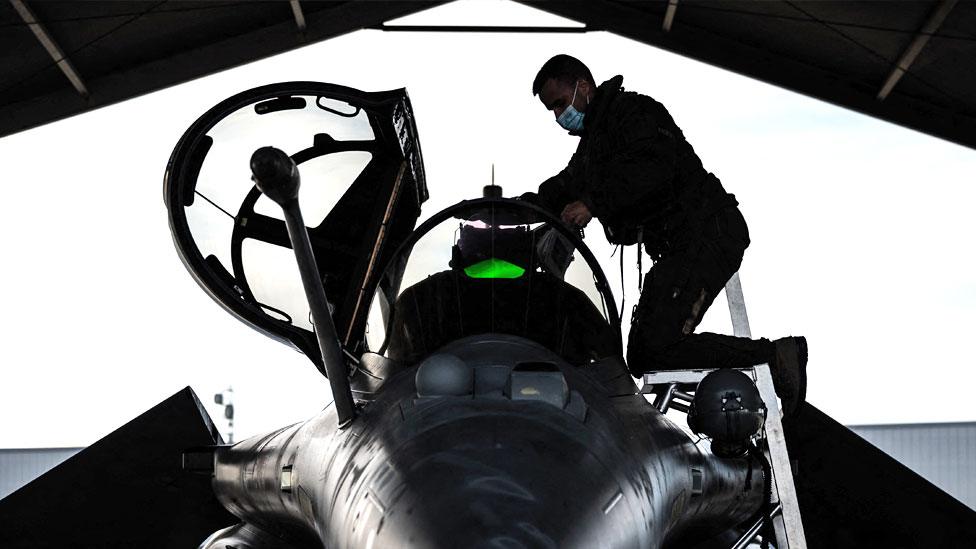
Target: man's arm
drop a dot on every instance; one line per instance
(640, 166)
(557, 191)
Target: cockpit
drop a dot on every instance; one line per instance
(488, 265)
(491, 266)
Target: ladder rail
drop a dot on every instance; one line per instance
(787, 523)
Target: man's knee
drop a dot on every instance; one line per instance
(659, 325)
(669, 318)
(649, 343)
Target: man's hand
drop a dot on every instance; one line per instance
(576, 213)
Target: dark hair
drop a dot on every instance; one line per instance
(563, 68)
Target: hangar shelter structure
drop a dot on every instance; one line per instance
(905, 62)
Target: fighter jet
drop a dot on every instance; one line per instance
(480, 397)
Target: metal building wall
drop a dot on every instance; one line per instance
(20, 466)
(943, 453)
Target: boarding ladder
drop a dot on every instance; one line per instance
(675, 389)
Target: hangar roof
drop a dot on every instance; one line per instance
(908, 62)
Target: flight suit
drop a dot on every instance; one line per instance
(638, 175)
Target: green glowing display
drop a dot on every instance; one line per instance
(494, 268)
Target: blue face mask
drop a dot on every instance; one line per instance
(571, 119)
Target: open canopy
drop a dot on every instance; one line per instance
(362, 186)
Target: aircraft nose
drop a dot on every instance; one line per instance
(463, 499)
(510, 482)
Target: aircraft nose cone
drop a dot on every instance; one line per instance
(504, 482)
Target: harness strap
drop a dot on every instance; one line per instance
(640, 259)
(623, 288)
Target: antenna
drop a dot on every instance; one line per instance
(492, 190)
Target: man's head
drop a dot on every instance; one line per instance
(559, 80)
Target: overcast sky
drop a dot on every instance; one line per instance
(861, 229)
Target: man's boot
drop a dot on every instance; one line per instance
(789, 369)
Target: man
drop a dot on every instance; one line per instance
(636, 173)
